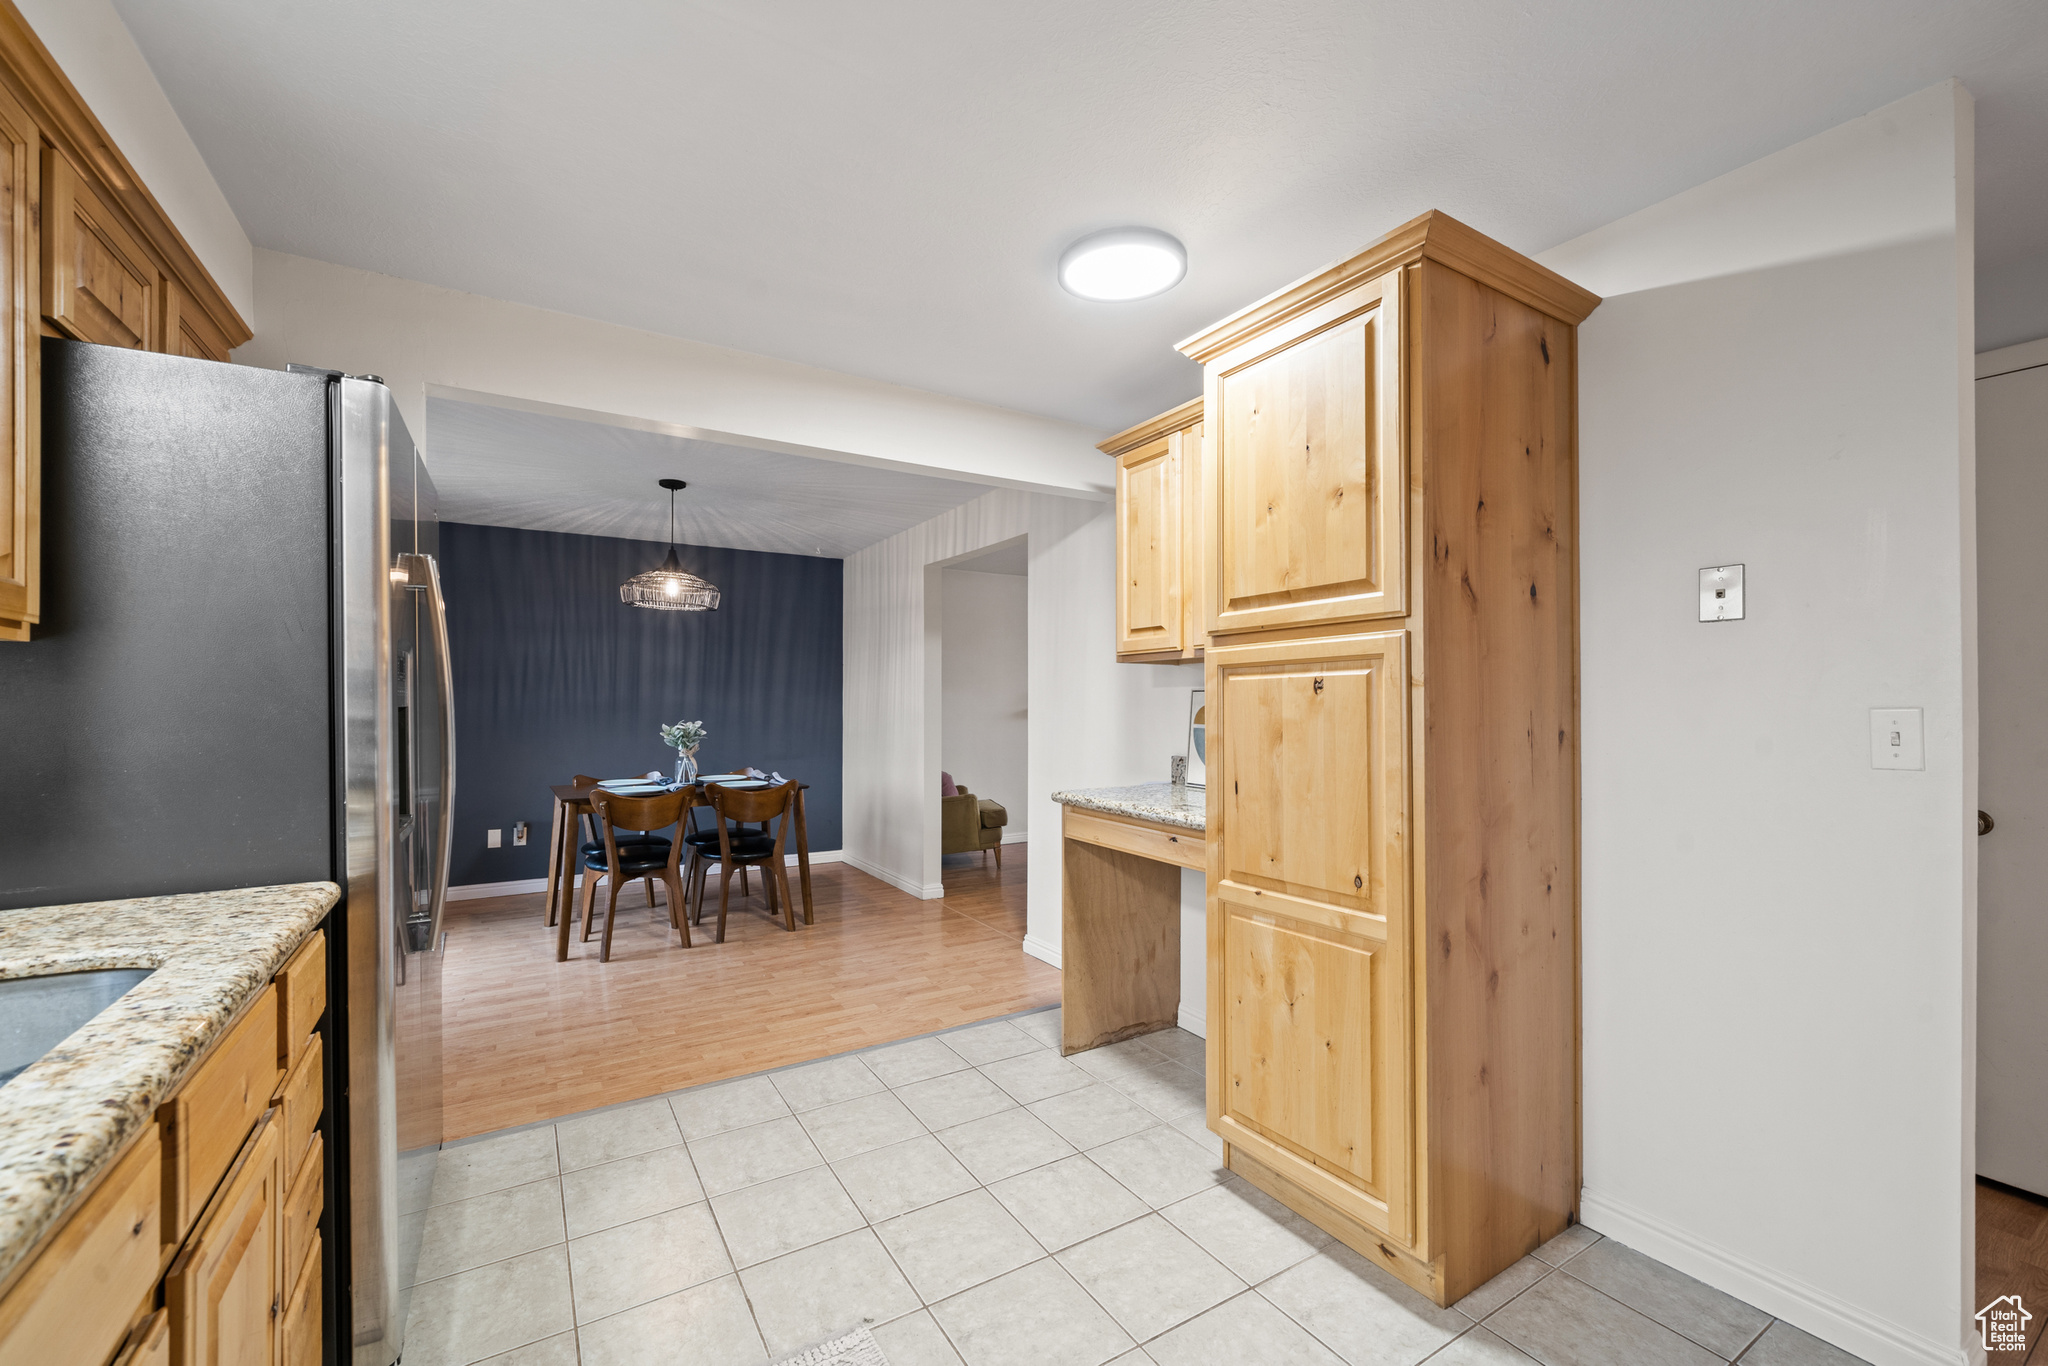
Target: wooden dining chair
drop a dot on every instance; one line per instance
(591, 842)
(733, 808)
(618, 862)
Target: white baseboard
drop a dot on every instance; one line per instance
(1016, 836)
(1194, 1021)
(932, 891)
(1825, 1315)
(476, 891)
(1042, 951)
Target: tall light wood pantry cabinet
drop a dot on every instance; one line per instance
(1159, 616)
(1388, 526)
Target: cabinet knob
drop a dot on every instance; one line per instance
(1985, 825)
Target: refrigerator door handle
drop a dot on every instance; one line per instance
(423, 574)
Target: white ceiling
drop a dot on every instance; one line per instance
(509, 467)
(884, 188)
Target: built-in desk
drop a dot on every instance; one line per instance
(1122, 849)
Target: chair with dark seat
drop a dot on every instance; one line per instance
(618, 861)
(591, 842)
(732, 809)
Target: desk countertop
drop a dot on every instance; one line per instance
(68, 1115)
(1162, 803)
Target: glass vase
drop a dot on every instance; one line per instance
(686, 767)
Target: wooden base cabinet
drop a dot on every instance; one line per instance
(201, 1246)
(1158, 539)
(1389, 521)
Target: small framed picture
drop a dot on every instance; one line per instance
(1198, 741)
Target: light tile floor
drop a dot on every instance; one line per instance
(977, 1198)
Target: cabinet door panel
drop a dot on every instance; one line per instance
(225, 1289)
(1310, 1000)
(1148, 549)
(21, 498)
(1306, 504)
(98, 283)
(1300, 1038)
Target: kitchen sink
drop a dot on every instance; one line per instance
(38, 1013)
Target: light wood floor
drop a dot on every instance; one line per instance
(2012, 1259)
(529, 1039)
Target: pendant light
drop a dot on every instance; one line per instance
(669, 589)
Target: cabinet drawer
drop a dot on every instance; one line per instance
(76, 1301)
(302, 1315)
(303, 1094)
(301, 997)
(1187, 848)
(223, 1290)
(149, 1345)
(207, 1121)
(302, 1208)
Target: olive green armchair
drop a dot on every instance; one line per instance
(968, 824)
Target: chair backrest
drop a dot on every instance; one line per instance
(740, 805)
(584, 780)
(635, 813)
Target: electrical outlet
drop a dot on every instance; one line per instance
(1895, 738)
(494, 839)
(519, 835)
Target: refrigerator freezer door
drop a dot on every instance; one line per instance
(393, 729)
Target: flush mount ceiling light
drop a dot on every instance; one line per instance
(1123, 263)
(669, 589)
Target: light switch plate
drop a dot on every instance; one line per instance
(494, 839)
(1721, 593)
(1895, 738)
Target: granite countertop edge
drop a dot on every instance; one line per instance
(1161, 803)
(69, 1115)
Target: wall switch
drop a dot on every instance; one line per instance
(1895, 739)
(1721, 593)
(494, 839)
(519, 835)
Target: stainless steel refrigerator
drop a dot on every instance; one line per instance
(245, 652)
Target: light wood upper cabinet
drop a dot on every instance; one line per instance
(21, 495)
(1304, 508)
(1158, 590)
(1389, 516)
(86, 252)
(99, 285)
(1309, 1008)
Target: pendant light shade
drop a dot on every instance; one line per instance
(668, 588)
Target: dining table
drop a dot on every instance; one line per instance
(572, 803)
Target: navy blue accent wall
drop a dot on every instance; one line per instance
(555, 676)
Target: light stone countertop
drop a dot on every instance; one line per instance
(68, 1115)
(1162, 803)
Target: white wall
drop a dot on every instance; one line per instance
(1778, 956)
(985, 687)
(95, 51)
(423, 339)
(1093, 722)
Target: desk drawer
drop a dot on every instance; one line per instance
(78, 1299)
(207, 1121)
(1167, 844)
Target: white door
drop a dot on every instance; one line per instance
(2012, 655)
